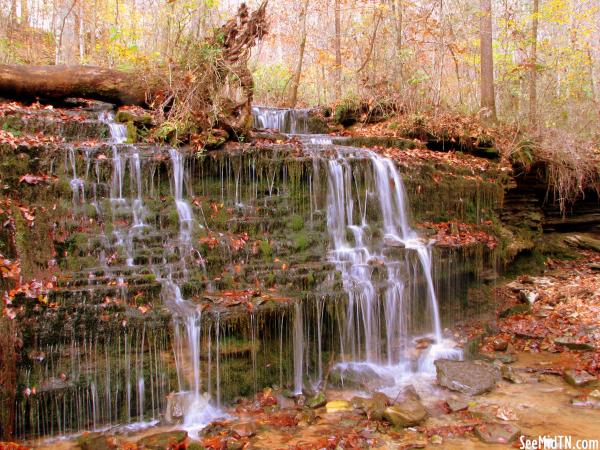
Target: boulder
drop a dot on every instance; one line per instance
(471, 378)
(95, 441)
(359, 376)
(164, 441)
(497, 433)
(409, 413)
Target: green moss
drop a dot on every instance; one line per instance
(346, 113)
(270, 279)
(132, 133)
(296, 223)
(173, 218)
(266, 250)
(301, 242)
(310, 279)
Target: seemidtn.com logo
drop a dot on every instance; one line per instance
(558, 442)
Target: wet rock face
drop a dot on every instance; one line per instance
(471, 378)
(359, 376)
(177, 404)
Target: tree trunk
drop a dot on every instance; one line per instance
(398, 19)
(67, 50)
(533, 66)
(298, 71)
(338, 50)
(488, 96)
(24, 13)
(439, 64)
(54, 83)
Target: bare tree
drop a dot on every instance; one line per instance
(298, 72)
(488, 95)
(338, 49)
(533, 66)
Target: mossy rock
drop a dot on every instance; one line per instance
(164, 441)
(346, 113)
(125, 116)
(95, 441)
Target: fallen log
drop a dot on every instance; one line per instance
(56, 83)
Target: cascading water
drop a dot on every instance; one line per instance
(292, 121)
(386, 268)
(186, 221)
(187, 317)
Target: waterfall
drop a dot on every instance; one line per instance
(292, 121)
(357, 256)
(187, 317)
(186, 221)
(386, 267)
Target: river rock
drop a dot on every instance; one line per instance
(509, 374)
(503, 357)
(409, 413)
(317, 401)
(376, 405)
(95, 441)
(592, 400)
(528, 296)
(571, 343)
(579, 378)
(500, 344)
(163, 441)
(457, 404)
(497, 433)
(472, 378)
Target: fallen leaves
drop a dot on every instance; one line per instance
(27, 140)
(568, 310)
(456, 234)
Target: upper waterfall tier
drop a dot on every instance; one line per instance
(290, 121)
